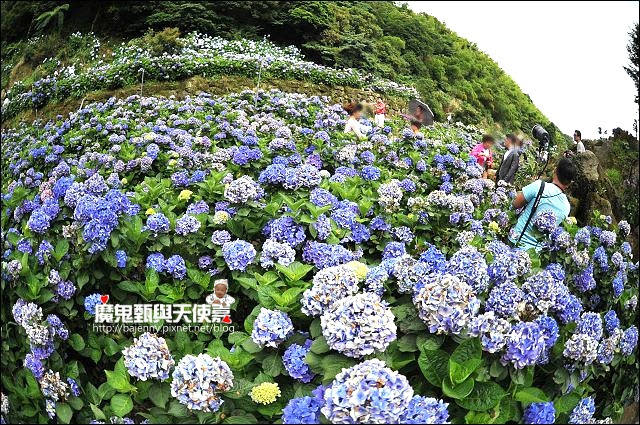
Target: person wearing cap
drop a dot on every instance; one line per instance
(220, 296)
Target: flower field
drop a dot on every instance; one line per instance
(198, 54)
(372, 279)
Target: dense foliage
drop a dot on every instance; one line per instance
(370, 278)
(165, 57)
(391, 41)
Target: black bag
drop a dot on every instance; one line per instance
(536, 202)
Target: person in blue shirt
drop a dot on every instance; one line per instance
(553, 198)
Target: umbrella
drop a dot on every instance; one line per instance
(421, 112)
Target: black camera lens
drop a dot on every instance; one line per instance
(540, 133)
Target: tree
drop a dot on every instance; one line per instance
(56, 15)
(632, 69)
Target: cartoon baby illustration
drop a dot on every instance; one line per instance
(220, 296)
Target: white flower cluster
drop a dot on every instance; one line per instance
(329, 285)
(358, 325)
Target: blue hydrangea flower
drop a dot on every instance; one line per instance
(121, 258)
(629, 340)
(302, 410)
(238, 254)
(155, 261)
(525, 344)
(377, 395)
(271, 327)
(90, 303)
(539, 413)
(611, 321)
(148, 358)
(425, 410)
(175, 266)
(358, 325)
(157, 223)
(583, 412)
(294, 363)
(199, 380)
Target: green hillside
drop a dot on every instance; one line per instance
(381, 38)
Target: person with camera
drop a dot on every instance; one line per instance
(542, 196)
(510, 161)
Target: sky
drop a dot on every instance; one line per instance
(567, 56)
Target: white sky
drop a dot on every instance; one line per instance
(567, 56)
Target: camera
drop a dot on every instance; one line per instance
(541, 135)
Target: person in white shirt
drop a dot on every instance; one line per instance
(220, 296)
(577, 139)
(353, 122)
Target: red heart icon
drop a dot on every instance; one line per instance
(226, 319)
(104, 299)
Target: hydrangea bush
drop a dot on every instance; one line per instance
(373, 280)
(198, 54)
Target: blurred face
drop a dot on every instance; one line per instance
(576, 137)
(220, 290)
(357, 114)
(487, 144)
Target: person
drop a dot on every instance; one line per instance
(577, 139)
(220, 296)
(553, 199)
(381, 110)
(510, 161)
(353, 122)
(482, 153)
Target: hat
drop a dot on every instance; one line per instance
(221, 282)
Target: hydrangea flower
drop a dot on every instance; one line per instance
(470, 267)
(238, 254)
(302, 410)
(445, 303)
(425, 410)
(271, 327)
(148, 358)
(629, 340)
(121, 259)
(329, 285)
(175, 266)
(358, 325)
(525, 344)
(539, 413)
(198, 381)
(504, 299)
(274, 251)
(583, 412)
(90, 303)
(265, 393)
(368, 392)
(294, 362)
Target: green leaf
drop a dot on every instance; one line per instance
(121, 404)
(434, 366)
(64, 412)
(407, 343)
(241, 388)
(531, 395)
(429, 342)
(241, 419)
(464, 360)
(62, 247)
(458, 391)
(315, 328)
(333, 364)
(566, 403)
(159, 394)
(76, 342)
(320, 346)
(272, 365)
(485, 396)
(152, 281)
(294, 271)
(97, 412)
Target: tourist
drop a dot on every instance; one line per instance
(552, 199)
(483, 154)
(510, 161)
(381, 110)
(577, 139)
(353, 122)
